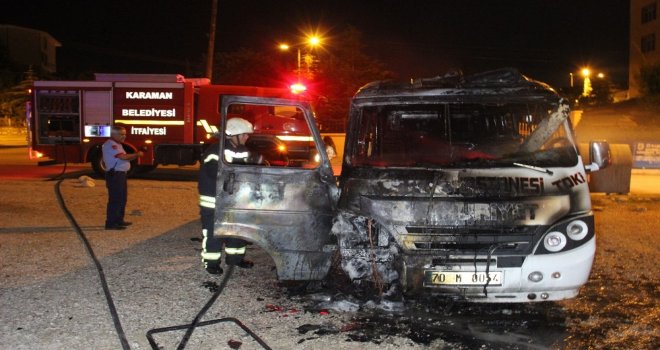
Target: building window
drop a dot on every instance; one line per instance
(648, 43)
(648, 12)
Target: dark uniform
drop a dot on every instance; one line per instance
(212, 245)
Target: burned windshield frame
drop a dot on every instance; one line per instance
(456, 135)
(280, 136)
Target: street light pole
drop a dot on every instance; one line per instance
(312, 41)
(211, 47)
(299, 69)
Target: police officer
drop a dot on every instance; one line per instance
(117, 163)
(238, 130)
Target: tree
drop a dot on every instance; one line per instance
(12, 100)
(342, 70)
(600, 92)
(15, 81)
(335, 74)
(245, 67)
(9, 70)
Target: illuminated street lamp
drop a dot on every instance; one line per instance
(312, 41)
(601, 75)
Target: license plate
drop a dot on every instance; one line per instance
(463, 278)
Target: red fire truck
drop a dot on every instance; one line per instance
(172, 119)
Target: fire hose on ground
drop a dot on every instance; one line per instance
(97, 264)
(190, 328)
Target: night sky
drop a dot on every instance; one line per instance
(544, 39)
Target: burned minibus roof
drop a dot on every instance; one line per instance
(502, 85)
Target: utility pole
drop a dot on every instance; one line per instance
(211, 49)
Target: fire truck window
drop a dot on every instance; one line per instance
(281, 137)
(59, 117)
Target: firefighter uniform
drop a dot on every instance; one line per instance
(211, 244)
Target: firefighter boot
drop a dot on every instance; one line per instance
(213, 267)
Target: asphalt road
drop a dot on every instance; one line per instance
(51, 297)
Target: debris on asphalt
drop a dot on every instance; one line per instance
(234, 344)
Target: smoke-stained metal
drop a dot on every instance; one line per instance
(474, 175)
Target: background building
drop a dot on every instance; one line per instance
(30, 47)
(644, 34)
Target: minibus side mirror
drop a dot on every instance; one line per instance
(600, 155)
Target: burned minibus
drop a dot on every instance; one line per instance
(470, 187)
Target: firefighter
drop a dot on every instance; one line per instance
(238, 130)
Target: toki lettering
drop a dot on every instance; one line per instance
(570, 181)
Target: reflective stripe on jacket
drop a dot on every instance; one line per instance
(206, 255)
(211, 157)
(206, 201)
(231, 156)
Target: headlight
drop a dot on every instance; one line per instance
(567, 235)
(577, 230)
(554, 241)
(317, 158)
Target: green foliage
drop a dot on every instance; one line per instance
(650, 78)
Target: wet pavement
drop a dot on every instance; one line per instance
(451, 325)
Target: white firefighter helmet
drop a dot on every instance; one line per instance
(236, 126)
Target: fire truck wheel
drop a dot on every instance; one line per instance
(142, 169)
(98, 164)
